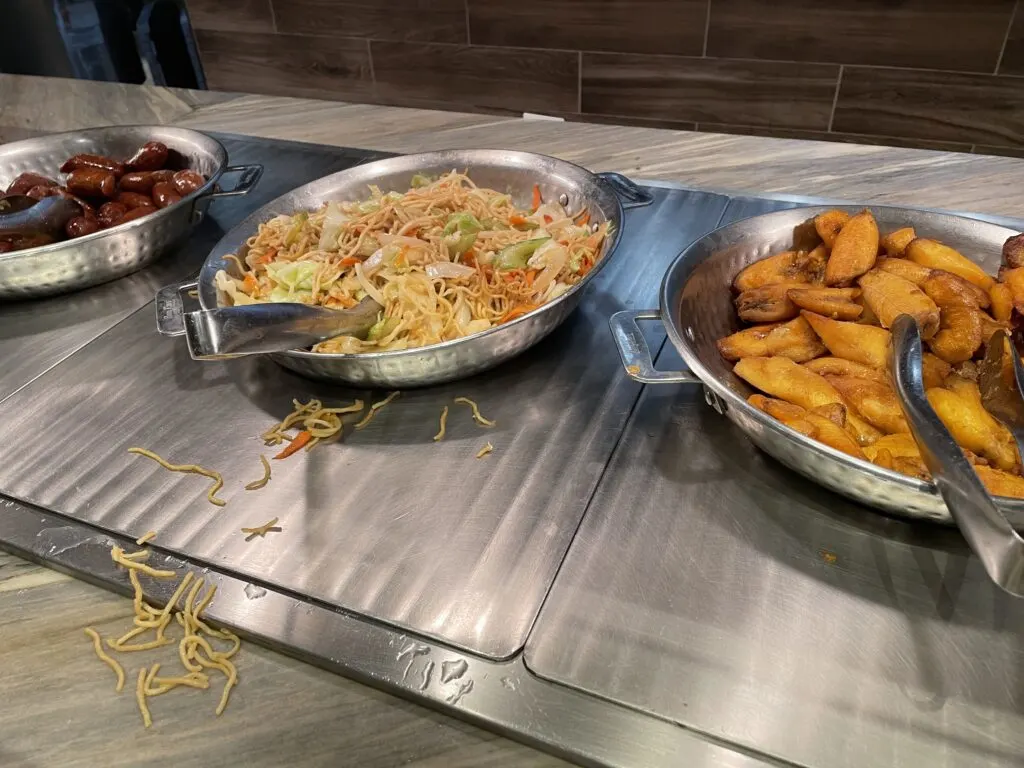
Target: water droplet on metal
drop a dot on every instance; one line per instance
(456, 697)
(508, 683)
(253, 592)
(453, 670)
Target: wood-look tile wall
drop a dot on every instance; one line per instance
(937, 74)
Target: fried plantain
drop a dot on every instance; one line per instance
(931, 253)
(971, 425)
(795, 340)
(934, 370)
(1013, 251)
(905, 268)
(852, 341)
(838, 366)
(1013, 279)
(814, 423)
(829, 224)
(1001, 483)
(834, 412)
(862, 432)
(767, 304)
(890, 296)
(949, 290)
(877, 403)
(784, 379)
(786, 267)
(896, 242)
(837, 303)
(854, 251)
(959, 334)
(1002, 302)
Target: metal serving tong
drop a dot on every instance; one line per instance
(991, 537)
(215, 334)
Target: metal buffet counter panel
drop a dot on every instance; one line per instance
(624, 580)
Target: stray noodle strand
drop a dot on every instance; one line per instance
(255, 485)
(444, 424)
(262, 530)
(484, 451)
(189, 468)
(477, 416)
(108, 660)
(374, 408)
(146, 537)
(140, 697)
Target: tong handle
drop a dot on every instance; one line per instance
(990, 536)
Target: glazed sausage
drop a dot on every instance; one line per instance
(163, 176)
(41, 191)
(187, 182)
(81, 226)
(138, 181)
(134, 200)
(26, 181)
(164, 195)
(92, 182)
(137, 213)
(110, 214)
(150, 157)
(87, 210)
(98, 162)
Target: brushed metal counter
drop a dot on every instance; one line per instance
(36, 335)
(712, 586)
(387, 523)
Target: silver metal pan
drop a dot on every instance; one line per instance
(121, 250)
(605, 195)
(697, 309)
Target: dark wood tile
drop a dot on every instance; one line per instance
(434, 21)
(844, 138)
(231, 15)
(941, 106)
(636, 26)
(937, 34)
(984, 149)
(709, 90)
(287, 65)
(475, 77)
(1013, 54)
(641, 122)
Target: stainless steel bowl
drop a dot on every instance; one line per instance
(516, 172)
(118, 251)
(697, 309)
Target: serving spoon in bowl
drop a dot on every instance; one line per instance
(225, 332)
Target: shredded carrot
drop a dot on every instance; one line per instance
(249, 282)
(516, 220)
(469, 258)
(594, 241)
(536, 197)
(297, 442)
(512, 275)
(349, 261)
(530, 277)
(547, 219)
(515, 312)
(583, 220)
(267, 257)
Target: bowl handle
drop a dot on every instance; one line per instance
(636, 355)
(630, 195)
(170, 311)
(248, 177)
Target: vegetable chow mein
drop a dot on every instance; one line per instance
(446, 259)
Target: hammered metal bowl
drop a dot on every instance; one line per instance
(121, 250)
(697, 310)
(515, 172)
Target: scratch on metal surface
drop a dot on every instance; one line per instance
(427, 672)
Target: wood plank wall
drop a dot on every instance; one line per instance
(937, 74)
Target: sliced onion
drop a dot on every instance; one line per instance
(448, 269)
(333, 222)
(412, 242)
(367, 286)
